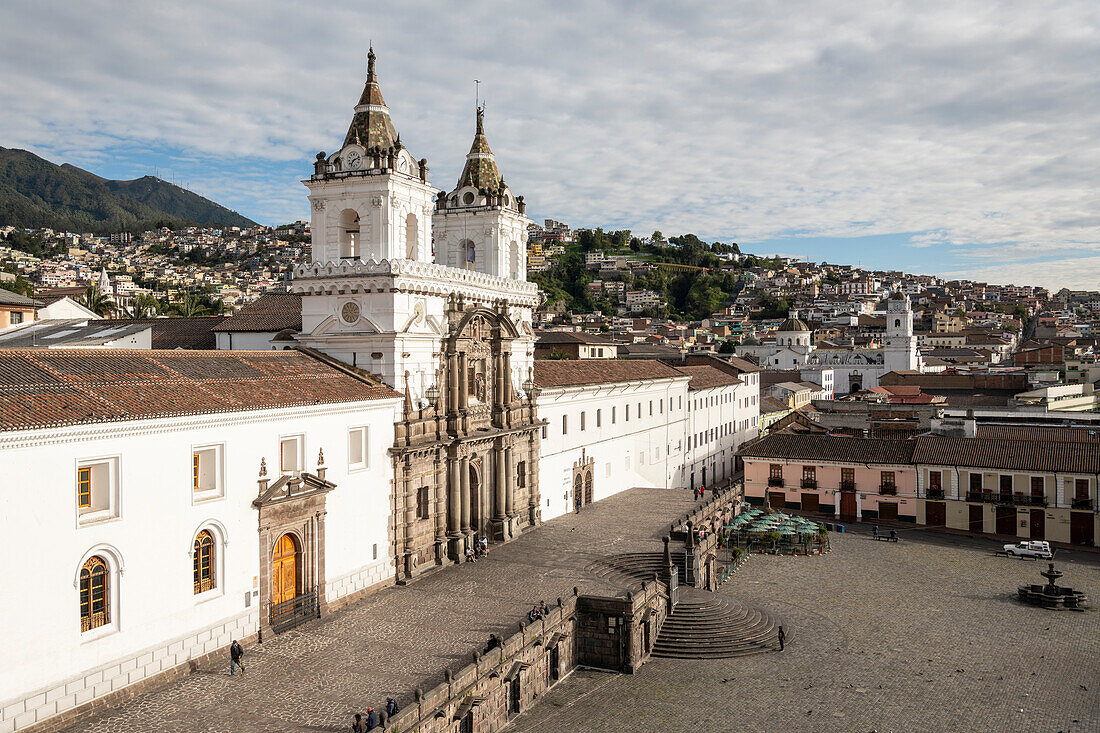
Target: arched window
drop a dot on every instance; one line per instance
(411, 236)
(94, 603)
(514, 260)
(897, 323)
(204, 562)
(469, 255)
(349, 234)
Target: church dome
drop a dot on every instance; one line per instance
(794, 324)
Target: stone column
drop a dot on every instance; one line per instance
(507, 371)
(500, 489)
(498, 368)
(509, 483)
(464, 482)
(463, 383)
(452, 382)
(454, 499)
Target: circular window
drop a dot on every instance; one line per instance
(350, 312)
(468, 198)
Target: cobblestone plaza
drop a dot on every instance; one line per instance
(921, 635)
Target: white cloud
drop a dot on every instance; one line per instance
(974, 121)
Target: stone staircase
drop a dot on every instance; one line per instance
(630, 569)
(708, 626)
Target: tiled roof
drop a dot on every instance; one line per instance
(806, 447)
(372, 128)
(178, 333)
(706, 377)
(1040, 432)
(546, 338)
(7, 297)
(1006, 454)
(270, 312)
(576, 372)
(54, 387)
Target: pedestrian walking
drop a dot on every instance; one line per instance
(235, 656)
(372, 719)
(702, 491)
(358, 726)
(782, 638)
(874, 531)
(391, 707)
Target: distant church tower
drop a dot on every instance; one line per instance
(900, 350)
(481, 225)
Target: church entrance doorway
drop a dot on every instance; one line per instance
(588, 487)
(704, 484)
(284, 570)
(578, 491)
(477, 513)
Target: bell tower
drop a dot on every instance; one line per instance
(371, 200)
(481, 225)
(900, 350)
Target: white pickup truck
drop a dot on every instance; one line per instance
(1032, 548)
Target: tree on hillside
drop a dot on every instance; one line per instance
(727, 347)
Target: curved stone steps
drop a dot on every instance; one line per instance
(715, 627)
(632, 568)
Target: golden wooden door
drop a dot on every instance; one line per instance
(284, 570)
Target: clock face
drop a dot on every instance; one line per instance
(353, 159)
(350, 312)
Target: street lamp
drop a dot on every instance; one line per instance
(432, 393)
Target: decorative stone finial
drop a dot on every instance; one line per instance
(481, 119)
(370, 64)
(263, 467)
(320, 456)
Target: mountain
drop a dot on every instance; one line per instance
(37, 193)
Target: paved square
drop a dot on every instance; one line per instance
(924, 635)
(315, 677)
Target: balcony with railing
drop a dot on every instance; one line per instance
(986, 496)
(775, 481)
(935, 492)
(1082, 502)
(809, 483)
(847, 485)
(889, 489)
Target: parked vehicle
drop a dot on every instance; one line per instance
(1031, 548)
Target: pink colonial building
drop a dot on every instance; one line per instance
(851, 478)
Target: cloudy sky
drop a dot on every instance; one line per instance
(959, 138)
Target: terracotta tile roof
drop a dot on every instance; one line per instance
(575, 372)
(547, 338)
(270, 312)
(1040, 432)
(178, 333)
(1007, 454)
(54, 387)
(810, 447)
(706, 377)
(7, 297)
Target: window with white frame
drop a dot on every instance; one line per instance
(582, 421)
(97, 489)
(207, 481)
(599, 418)
(358, 448)
(291, 453)
(564, 424)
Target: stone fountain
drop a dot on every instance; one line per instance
(1052, 595)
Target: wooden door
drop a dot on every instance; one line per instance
(888, 510)
(1080, 528)
(588, 487)
(935, 514)
(284, 570)
(1038, 524)
(848, 506)
(777, 499)
(811, 502)
(1006, 520)
(977, 518)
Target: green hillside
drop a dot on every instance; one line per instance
(37, 193)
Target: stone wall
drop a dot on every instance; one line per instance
(610, 633)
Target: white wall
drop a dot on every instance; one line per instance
(733, 414)
(157, 621)
(642, 451)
